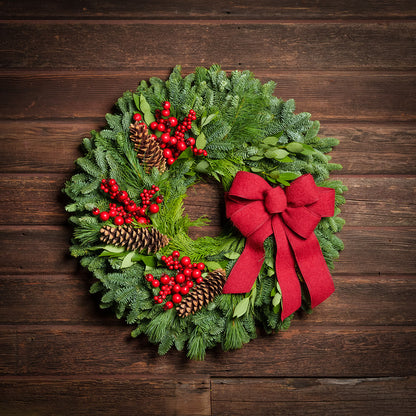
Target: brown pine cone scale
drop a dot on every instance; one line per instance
(132, 238)
(148, 150)
(203, 294)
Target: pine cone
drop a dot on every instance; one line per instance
(134, 238)
(148, 150)
(203, 294)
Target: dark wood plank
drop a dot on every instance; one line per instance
(368, 251)
(315, 351)
(45, 146)
(65, 299)
(347, 96)
(107, 396)
(215, 9)
(371, 200)
(306, 396)
(289, 46)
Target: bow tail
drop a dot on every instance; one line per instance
(245, 272)
(285, 271)
(313, 267)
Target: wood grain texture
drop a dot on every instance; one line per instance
(306, 396)
(92, 46)
(215, 9)
(363, 149)
(359, 301)
(346, 96)
(115, 396)
(350, 64)
(353, 96)
(299, 352)
(372, 251)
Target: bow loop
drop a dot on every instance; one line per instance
(302, 191)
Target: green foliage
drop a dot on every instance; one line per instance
(243, 126)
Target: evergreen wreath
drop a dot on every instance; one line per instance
(147, 267)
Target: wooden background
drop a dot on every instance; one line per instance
(349, 63)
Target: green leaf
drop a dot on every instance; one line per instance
(241, 308)
(276, 154)
(256, 170)
(288, 176)
(147, 260)
(136, 99)
(186, 154)
(127, 261)
(208, 119)
(146, 110)
(202, 166)
(308, 150)
(255, 158)
(286, 159)
(232, 255)
(212, 265)
(276, 299)
(295, 147)
(271, 140)
(201, 141)
(114, 249)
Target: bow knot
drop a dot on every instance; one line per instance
(275, 200)
(291, 214)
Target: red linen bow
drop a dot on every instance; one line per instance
(259, 210)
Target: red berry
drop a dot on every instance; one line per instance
(190, 283)
(118, 220)
(154, 208)
(114, 188)
(155, 283)
(96, 211)
(176, 253)
(165, 138)
(137, 117)
(201, 266)
(187, 272)
(166, 105)
(185, 261)
(169, 305)
(104, 216)
(167, 153)
(161, 127)
(159, 199)
(165, 113)
(153, 125)
(173, 121)
(196, 273)
(171, 161)
(199, 280)
(177, 298)
(180, 278)
(173, 141)
(149, 277)
(112, 182)
(142, 220)
(176, 288)
(181, 146)
(128, 220)
(184, 290)
(122, 195)
(191, 141)
(165, 279)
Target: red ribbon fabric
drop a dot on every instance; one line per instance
(291, 214)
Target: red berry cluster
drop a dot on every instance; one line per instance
(173, 141)
(188, 274)
(124, 214)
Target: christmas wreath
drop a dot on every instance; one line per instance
(130, 230)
